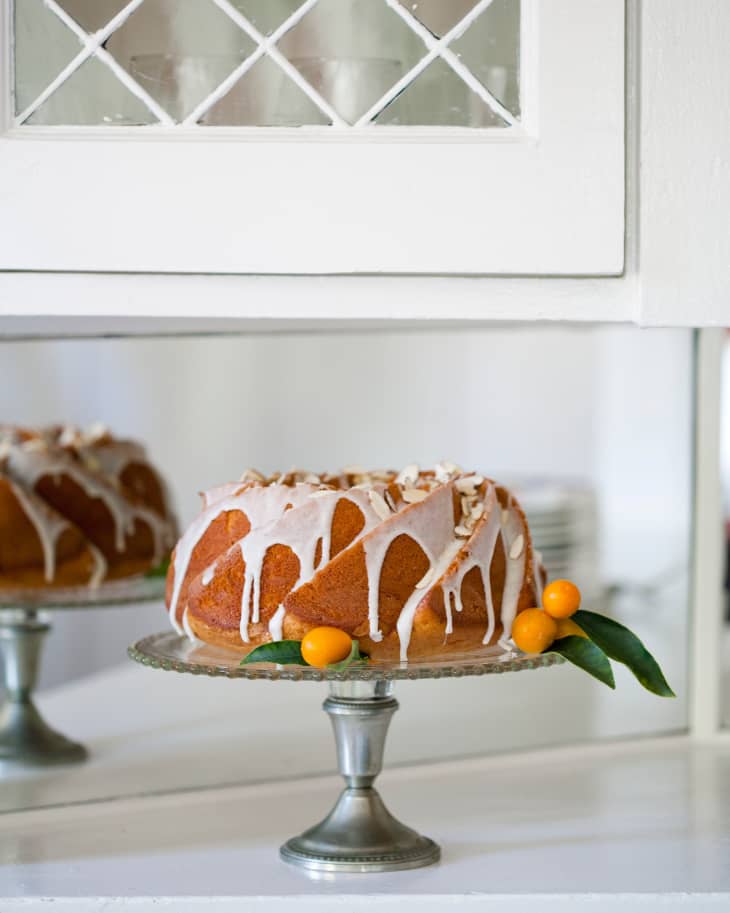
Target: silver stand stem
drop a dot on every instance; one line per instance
(24, 736)
(360, 834)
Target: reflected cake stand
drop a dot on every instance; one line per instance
(359, 834)
(25, 737)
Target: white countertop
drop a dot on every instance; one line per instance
(591, 825)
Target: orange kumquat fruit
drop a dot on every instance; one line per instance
(324, 645)
(561, 599)
(534, 631)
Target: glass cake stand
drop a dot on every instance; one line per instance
(359, 834)
(25, 737)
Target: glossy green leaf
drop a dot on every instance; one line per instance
(587, 656)
(283, 652)
(355, 657)
(624, 646)
(160, 570)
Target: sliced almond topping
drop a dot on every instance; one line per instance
(468, 483)
(354, 470)
(413, 495)
(379, 503)
(408, 475)
(312, 479)
(362, 486)
(389, 500)
(505, 517)
(477, 510)
(516, 547)
(251, 475)
(463, 531)
(425, 580)
(35, 443)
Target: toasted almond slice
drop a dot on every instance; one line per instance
(469, 483)
(389, 500)
(354, 470)
(516, 547)
(413, 495)
(312, 479)
(251, 475)
(425, 580)
(35, 443)
(408, 475)
(379, 503)
(477, 510)
(463, 531)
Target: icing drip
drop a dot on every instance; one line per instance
(186, 626)
(299, 531)
(430, 526)
(404, 625)
(260, 505)
(100, 566)
(512, 529)
(276, 623)
(48, 525)
(477, 552)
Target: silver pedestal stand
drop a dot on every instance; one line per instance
(359, 834)
(25, 737)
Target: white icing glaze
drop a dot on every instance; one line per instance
(276, 623)
(47, 523)
(512, 528)
(208, 574)
(31, 463)
(100, 566)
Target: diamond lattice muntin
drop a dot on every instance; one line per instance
(352, 64)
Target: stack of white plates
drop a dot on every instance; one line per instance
(563, 520)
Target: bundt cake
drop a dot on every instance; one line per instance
(413, 564)
(78, 507)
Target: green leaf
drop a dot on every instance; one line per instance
(625, 647)
(355, 657)
(283, 652)
(587, 656)
(160, 570)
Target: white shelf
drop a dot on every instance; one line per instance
(645, 819)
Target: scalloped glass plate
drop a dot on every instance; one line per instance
(140, 588)
(175, 653)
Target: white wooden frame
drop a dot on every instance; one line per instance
(552, 187)
(708, 560)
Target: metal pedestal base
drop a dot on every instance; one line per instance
(360, 834)
(24, 736)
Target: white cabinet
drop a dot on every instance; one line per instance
(539, 191)
(567, 173)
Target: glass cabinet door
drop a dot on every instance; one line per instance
(325, 136)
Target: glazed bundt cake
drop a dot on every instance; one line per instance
(413, 564)
(78, 507)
